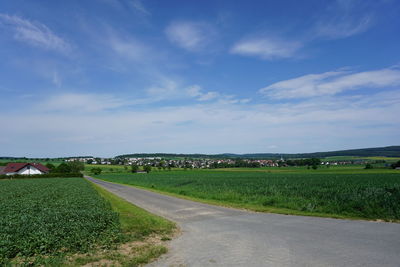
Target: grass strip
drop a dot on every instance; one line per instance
(136, 220)
(144, 234)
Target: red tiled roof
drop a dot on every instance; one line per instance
(14, 167)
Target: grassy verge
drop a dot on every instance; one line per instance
(136, 220)
(144, 235)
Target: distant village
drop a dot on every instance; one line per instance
(205, 163)
(144, 164)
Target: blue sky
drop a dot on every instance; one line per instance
(107, 77)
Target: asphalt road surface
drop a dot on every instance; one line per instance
(218, 236)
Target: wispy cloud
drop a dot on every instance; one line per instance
(169, 89)
(138, 5)
(78, 102)
(331, 83)
(344, 18)
(343, 27)
(212, 128)
(128, 47)
(56, 80)
(164, 89)
(192, 36)
(34, 33)
(340, 19)
(125, 52)
(208, 96)
(266, 48)
(196, 91)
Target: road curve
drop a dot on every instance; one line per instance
(218, 236)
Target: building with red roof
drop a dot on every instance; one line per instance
(24, 169)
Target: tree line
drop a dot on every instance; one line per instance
(67, 167)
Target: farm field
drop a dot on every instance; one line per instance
(47, 221)
(334, 192)
(344, 158)
(322, 169)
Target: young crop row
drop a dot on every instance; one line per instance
(53, 216)
(365, 195)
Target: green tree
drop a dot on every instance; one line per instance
(134, 168)
(368, 166)
(96, 171)
(50, 166)
(396, 165)
(63, 168)
(76, 166)
(147, 168)
(315, 166)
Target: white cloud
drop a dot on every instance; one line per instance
(138, 5)
(34, 33)
(192, 36)
(343, 27)
(129, 48)
(340, 19)
(208, 96)
(331, 83)
(344, 18)
(204, 128)
(266, 48)
(170, 89)
(56, 80)
(75, 103)
(196, 91)
(166, 89)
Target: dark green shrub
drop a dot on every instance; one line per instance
(96, 171)
(368, 166)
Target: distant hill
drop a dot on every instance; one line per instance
(389, 151)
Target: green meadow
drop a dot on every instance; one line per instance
(340, 192)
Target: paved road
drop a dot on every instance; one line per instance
(217, 236)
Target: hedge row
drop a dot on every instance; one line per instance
(46, 175)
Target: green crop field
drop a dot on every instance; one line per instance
(47, 216)
(349, 158)
(44, 220)
(341, 192)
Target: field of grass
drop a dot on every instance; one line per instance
(46, 221)
(346, 158)
(42, 161)
(108, 168)
(334, 192)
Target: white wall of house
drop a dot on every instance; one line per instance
(27, 170)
